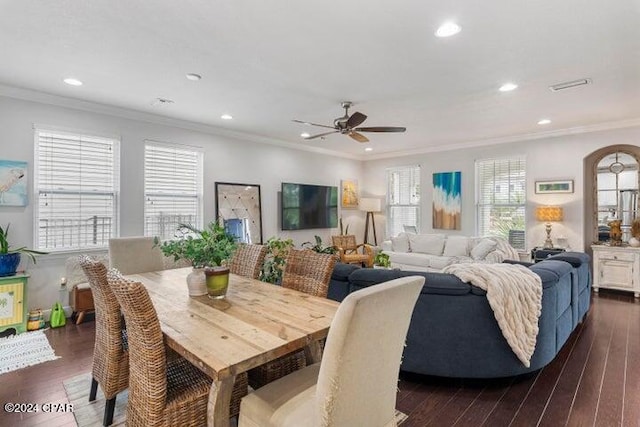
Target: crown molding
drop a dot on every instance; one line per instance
(577, 130)
(94, 107)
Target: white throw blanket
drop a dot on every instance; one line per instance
(515, 295)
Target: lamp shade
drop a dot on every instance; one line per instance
(369, 204)
(549, 213)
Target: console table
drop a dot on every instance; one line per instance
(616, 267)
(538, 253)
(13, 303)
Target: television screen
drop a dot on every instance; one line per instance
(309, 206)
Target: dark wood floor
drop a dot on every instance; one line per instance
(594, 381)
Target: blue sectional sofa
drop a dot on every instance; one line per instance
(453, 331)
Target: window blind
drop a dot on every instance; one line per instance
(403, 198)
(76, 185)
(172, 188)
(501, 198)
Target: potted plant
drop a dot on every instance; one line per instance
(277, 251)
(319, 246)
(10, 257)
(381, 260)
(208, 251)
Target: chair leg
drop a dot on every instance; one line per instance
(94, 389)
(80, 318)
(109, 406)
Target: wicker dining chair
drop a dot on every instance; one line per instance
(306, 271)
(110, 352)
(162, 391)
(247, 260)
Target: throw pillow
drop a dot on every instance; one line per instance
(456, 246)
(400, 243)
(482, 249)
(431, 244)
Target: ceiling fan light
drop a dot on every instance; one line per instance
(448, 29)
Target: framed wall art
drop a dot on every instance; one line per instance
(349, 193)
(13, 183)
(550, 187)
(447, 204)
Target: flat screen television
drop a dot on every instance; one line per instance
(307, 206)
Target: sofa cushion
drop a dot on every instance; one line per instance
(342, 271)
(482, 249)
(400, 243)
(576, 259)
(432, 244)
(410, 258)
(439, 262)
(435, 283)
(456, 246)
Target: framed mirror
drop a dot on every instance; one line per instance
(239, 210)
(616, 192)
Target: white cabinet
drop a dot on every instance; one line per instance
(616, 267)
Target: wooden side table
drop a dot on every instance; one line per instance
(81, 301)
(13, 303)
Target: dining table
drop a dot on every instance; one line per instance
(255, 322)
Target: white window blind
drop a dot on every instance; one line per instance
(172, 188)
(501, 199)
(403, 199)
(76, 186)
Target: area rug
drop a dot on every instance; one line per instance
(90, 414)
(26, 349)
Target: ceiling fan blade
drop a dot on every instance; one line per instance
(355, 119)
(313, 124)
(321, 135)
(381, 129)
(358, 136)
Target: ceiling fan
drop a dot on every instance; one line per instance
(347, 125)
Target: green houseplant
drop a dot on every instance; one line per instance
(208, 250)
(10, 257)
(273, 267)
(319, 246)
(382, 260)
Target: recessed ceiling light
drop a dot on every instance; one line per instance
(193, 77)
(73, 82)
(226, 117)
(448, 29)
(544, 122)
(305, 134)
(508, 87)
(368, 149)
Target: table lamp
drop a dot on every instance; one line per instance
(369, 205)
(549, 214)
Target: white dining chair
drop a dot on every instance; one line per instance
(131, 255)
(356, 382)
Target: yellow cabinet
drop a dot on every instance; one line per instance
(13, 303)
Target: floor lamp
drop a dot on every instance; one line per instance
(369, 205)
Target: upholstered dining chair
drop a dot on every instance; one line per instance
(305, 271)
(247, 260)
(348, 250)
(132, 255)
(110, 353)
(356, 382)
(162, 391)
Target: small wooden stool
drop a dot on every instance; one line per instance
(81, 301)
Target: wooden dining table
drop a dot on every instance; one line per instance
(255, 323)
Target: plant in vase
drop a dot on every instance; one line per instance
(382, 260)
(208, 250)
(273, 267)
(10, 257)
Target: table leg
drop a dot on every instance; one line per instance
(219, 402)
(313, 352)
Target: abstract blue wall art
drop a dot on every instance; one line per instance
(13, 183)
(446, 200)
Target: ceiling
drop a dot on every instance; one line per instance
(267, 63)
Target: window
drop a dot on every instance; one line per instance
(76, 185)
(172, 188)
(501, 199)
(403, 199)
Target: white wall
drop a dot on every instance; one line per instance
(547, 159)
(226, 159)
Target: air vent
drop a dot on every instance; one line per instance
(569, 85)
